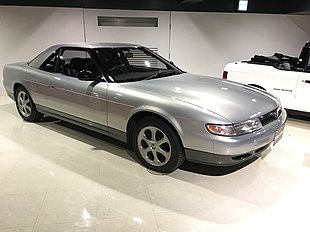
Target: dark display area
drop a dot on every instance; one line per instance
(254, 6)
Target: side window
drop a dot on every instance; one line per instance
(49, 64)
(72, 61)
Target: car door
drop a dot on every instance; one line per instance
(281, 83)
(79, 100)
(302, 101)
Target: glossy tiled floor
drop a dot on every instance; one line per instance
(54, 178)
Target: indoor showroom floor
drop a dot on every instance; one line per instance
(55, 178)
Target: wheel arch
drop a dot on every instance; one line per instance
(137, 116)
(33, 114)
(16, 85)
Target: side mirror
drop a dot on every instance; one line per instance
(84, 75)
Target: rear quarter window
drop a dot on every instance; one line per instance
(39, 59)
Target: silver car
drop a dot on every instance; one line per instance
(132, 94)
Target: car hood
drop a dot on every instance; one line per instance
(233, 101)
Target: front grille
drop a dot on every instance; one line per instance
(270, 117)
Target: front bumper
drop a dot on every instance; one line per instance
(234, 150)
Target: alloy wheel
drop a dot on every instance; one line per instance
(154, 146)
(24, 104)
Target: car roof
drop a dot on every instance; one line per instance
(95, 45)
(37, 61)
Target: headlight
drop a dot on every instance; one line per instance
(237, 129)
(227, 130)
(248, 126)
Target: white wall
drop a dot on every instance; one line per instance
(154, 37)
(200, 42)
(204, 42)
(26, 31)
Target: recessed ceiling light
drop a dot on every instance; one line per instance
(243, 5)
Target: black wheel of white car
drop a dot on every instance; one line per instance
(157, 146)
(25, 106)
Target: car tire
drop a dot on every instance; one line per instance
(25, 105)
(157, 146)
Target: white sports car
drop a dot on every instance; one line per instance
(284, 76)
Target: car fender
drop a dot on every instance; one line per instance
(160, 112)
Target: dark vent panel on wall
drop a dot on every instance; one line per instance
(127, 21)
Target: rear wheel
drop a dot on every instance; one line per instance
(25, 105)
(157, 146)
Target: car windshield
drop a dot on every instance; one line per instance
(134, 64)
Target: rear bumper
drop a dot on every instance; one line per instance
(234, 150)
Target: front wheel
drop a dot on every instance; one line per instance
(25, 105)
(157, 146)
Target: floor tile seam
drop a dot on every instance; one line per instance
(75, 168)
(30, 224)
(184, 211)
(202, 197)
(21, 194)
(34, 192)
(181, 210)
(97, 198)
(73, 222)
(201, 193)
(15, 227)
(20, 172)
(62, 223)
(94, 209)
(73, 189)
(151, 199)
(215, 220)
(39, 211)
(153, 210)
(125, 216)
(149, 185)
(87, 167)
(258, 203)
(170, 179)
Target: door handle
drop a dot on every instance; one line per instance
(307, 81)
(52, 87)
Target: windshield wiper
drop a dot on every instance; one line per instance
(161, 74)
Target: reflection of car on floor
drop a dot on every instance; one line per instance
(132, 94)
(284, 76)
